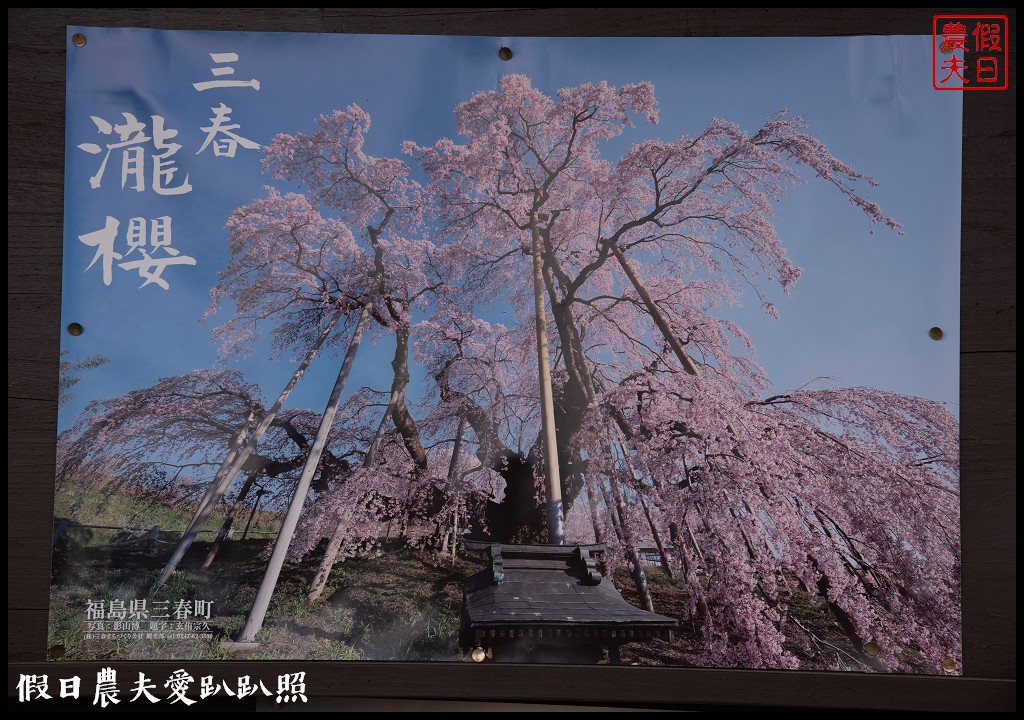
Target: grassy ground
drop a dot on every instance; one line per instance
(131, 507)
(394, 606)
(399, 604)
(812, 633)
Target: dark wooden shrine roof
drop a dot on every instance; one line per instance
(553, 587)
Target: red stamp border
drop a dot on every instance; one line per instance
(961, 16)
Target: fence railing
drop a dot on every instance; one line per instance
(151, 538)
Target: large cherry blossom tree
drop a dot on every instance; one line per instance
(664, 424)
(659, 401)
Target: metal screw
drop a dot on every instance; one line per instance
(78, 39)
(505, 53)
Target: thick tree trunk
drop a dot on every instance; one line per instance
(254, 622)
(400, 416)
(243, 454)
(409, 432)
(518, 511)
(453, 482)
(225, 528)
(572, 402)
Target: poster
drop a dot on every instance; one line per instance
(303, 411)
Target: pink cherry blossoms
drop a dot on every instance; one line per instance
(663, 426)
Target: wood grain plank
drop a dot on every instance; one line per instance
(36, 51)
(595, 684)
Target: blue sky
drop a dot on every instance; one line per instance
(860, 313)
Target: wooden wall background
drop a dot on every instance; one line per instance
(36, 44)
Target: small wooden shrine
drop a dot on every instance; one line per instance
(549, 603)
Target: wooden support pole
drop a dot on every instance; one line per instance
(556, 529)
(236, 464)
(254, 622)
